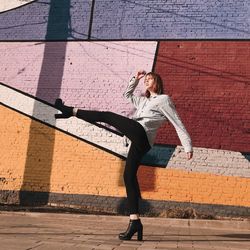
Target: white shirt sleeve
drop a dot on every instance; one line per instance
(169, 111)
(128, 94)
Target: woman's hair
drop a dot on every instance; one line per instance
(158, 84)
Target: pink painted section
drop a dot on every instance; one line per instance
(21, 64)
(95, 74)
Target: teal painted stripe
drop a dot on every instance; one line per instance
(158, 156)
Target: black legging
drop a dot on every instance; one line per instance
(139, 146)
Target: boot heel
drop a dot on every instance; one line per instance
(134, 226)
(66, 110)
(58, 103)
(140, 234)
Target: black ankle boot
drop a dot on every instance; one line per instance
(66, 110)
(134, 226)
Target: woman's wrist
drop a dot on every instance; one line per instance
(140, 74)
(135, 78)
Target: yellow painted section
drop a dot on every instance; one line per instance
(35, 157)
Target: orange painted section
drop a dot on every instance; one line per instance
(183, 186)
(76, 167)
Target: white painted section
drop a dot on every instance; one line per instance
(11, 4)
(76, 127)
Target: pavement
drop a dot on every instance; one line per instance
(40, 231)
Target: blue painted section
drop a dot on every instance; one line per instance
(159, 155)
(30, 22)
(247, 156)
(181, 19)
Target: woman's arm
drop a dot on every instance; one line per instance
(169, 111)
(128, 94)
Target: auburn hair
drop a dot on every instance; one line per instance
(158, 84)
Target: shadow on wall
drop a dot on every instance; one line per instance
(144, 207)
(39, 157)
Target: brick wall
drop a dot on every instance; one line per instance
(79, 168)
(127, 19)
(210, 85)
(75, 163)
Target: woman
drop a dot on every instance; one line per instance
(151, 111)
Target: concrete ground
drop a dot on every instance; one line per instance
(40, 231)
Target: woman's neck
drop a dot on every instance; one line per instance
(152, 94)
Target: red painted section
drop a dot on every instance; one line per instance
(209, 82)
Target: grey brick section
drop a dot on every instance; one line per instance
(216, 161)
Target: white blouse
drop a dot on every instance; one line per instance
(153, 111)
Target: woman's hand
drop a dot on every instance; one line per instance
(140, 74)
(189, 155)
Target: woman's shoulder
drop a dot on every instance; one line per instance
(165, 101)
(164, 97)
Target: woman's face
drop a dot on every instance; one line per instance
(149, 83)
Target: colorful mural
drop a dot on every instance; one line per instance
(85, 52)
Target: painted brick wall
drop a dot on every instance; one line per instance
(124, 19)
(70, 20)
(73, 163)
(210, 85)
(138, 19)
(79, 168)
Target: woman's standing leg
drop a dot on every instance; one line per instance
(130, 177)
(133, 191)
